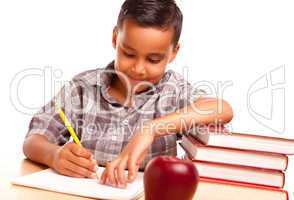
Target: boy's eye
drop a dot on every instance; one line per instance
(154, 61)
(129, 55)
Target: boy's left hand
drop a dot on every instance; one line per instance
(130, 158)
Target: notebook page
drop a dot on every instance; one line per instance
(50, 180)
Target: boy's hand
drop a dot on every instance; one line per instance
(75, 161)
(131, 158)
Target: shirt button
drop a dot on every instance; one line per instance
(125, 122)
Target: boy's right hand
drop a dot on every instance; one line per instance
(74, 160)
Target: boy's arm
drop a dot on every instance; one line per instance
(202, 111)
(46, 140)
(39, 149)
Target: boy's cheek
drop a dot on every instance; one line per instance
(123, 65)
(156, 73)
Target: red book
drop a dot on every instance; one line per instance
(213, 189)
(250, 175)
(221, 137)
(200, 152)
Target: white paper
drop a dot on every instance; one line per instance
(50, 180)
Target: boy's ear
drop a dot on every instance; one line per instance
(114, 37)
(174, 53)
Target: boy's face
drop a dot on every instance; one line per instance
(142, 54)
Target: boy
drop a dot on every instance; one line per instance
(130, 111)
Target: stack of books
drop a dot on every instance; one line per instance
(238, 166)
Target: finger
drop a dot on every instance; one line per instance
(80, 151)
(78, 170)
(110, 173)
(132, 169)
(82, 162)
(70, 173)
(121, 173)
(116, 179)
(95, 163)
(134, 165)
(103, 177)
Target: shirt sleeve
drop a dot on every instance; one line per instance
(47, 122)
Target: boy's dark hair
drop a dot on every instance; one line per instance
(155, 13)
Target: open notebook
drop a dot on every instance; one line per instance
(49, 180)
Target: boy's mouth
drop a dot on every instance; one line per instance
(136, 81)
(133, 80)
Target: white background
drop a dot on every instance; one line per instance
(229, 40)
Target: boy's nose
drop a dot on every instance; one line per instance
(139, 70)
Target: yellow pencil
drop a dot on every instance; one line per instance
(69, 127)
(72, 132)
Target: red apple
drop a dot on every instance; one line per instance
(170, 178)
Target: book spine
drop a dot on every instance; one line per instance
(281, 174)
(247, 183)
(192, 158)
(241, 184)
(269, 138)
